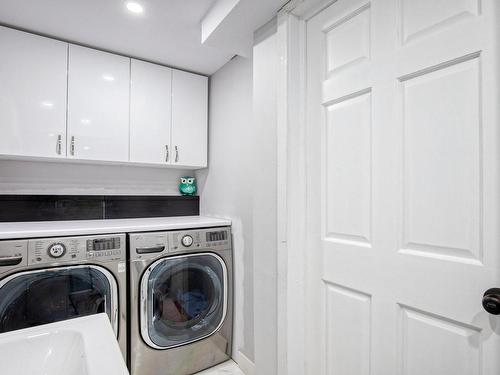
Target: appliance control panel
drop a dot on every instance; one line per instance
(150, 245)
(185, 240)
(196, 239)
(100, 248)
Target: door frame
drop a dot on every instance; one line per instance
(292, 193)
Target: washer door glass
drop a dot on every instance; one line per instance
(186, 299)
(32, 298)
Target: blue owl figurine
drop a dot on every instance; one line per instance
(187, 186)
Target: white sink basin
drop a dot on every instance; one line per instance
(82, 346)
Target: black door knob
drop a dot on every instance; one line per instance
(491, 301)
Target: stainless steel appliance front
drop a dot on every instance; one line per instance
(44, 280)
(181, 300)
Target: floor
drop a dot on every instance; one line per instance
(228, 367)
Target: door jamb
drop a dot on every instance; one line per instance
(292, 246)
(291, 194)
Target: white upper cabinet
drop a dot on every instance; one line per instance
(98, 105)
(32, 95)
(168, 116)
(68, 101)
(189, 119)
(150, 113)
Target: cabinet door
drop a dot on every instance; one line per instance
(150, 113)
(98, 105)
(189, 119)
(32, 95)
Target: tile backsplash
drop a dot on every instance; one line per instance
(93, 207)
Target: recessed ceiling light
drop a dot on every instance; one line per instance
(134, 7)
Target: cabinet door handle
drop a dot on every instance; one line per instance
(176, 154)
(167, 154)
(72, 147)
(59, 144)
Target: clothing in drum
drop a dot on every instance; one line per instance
(186, 297)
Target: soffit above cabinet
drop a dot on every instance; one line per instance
(168, 32)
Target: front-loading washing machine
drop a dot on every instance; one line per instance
(45, 280)
(181, 287)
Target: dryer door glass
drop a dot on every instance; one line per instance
(32, 298)
(186, 299)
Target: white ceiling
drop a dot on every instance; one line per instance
(168, 32)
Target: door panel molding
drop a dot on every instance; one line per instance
(425, 228)
(423, 333)
(348, 320)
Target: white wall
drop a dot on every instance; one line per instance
(226, 187)
(265, 66)
(240, 184)
(30, 177)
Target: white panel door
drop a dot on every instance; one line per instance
(32, 95)
(189, 119)
(403, 187)
(150, 113)
(98, 105)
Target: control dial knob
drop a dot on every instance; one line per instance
(187, 240)
(56, 250)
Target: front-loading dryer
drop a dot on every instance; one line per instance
(181, 300)
(45, 280)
